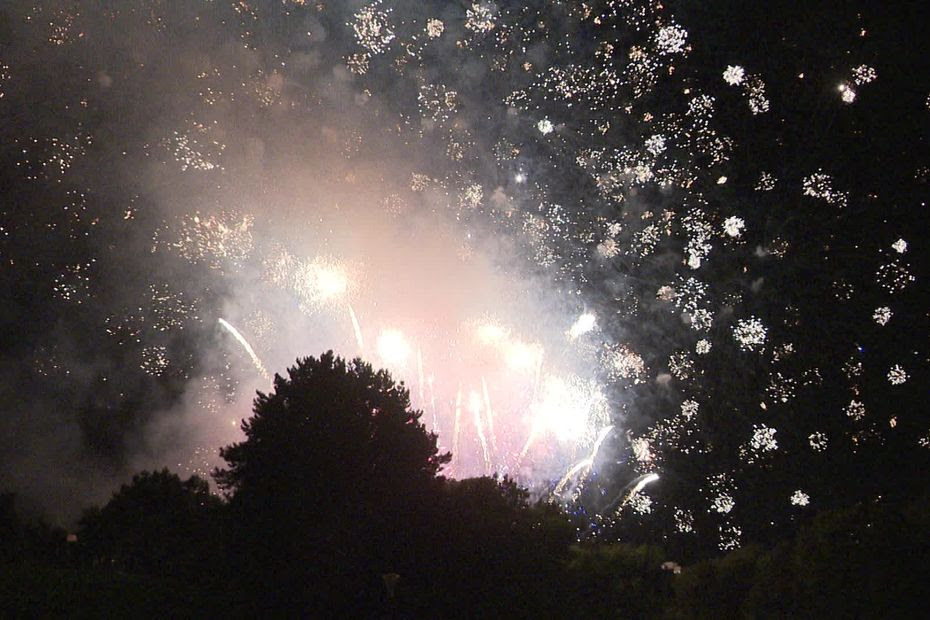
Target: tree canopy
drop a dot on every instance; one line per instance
(331, 424)
(156, 523)
(333, 481)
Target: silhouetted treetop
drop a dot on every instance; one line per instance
(331, 427)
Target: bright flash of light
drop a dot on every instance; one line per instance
(567, 408)
(331, 283)
(245, 345)
(585, 323)
(320, 282)
(518, 355)
(522, 356)
(491, 333)
(393, 348)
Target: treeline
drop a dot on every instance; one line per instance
(161, 548)
(166, 546)
(334, 506)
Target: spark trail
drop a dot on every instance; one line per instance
(475, 406)
(420, 374)
(456, 425)
(356, 328)
(637, 485)
(245, 345)
(489, 413)
(584, 465)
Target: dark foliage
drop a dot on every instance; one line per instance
(23, 541)
(329, 489)
(496, 552)
(337, 485)
(158, 524)
(618, 581)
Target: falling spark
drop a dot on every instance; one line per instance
(420, 374)
(457, 424)
(245, 345)
(536, 380)
(605, 432)
(635, 487)
(357, 328)
(642, 481)
(475, 406)
(489, 413)
(584, 465)
(534, 430)
(573, 470)
(432, 404)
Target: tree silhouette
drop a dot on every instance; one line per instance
(617, 581)
(328, 490)
(497, 552)
(24, 540)
(157, 524)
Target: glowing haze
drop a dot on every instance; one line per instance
(496, 359)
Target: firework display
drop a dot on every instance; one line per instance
(643, 274)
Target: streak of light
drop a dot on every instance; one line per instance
(635, 487)
(584, 465)
(456, 425)
(474, 402)
(420, 375)
(489, 413)
(245, 345)
(357, 328)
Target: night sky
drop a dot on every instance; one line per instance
(598, 241)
